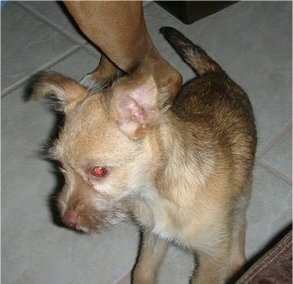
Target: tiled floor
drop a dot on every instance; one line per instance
(251, 40)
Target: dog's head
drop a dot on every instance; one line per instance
(107, 147)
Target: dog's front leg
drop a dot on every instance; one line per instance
(151, 253)
(213, 266)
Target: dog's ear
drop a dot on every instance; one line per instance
(136, 107)
(66, 91)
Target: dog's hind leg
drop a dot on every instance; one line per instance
(237, 250)
(237, 254)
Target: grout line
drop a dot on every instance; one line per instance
(274, 171)
(275, 140)
(43, 18)
(125, 278)
(14, 86)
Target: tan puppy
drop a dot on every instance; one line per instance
(182, 173)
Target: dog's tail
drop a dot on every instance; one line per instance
(194, 55)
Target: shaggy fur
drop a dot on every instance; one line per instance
(183, 173)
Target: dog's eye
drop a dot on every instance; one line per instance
(99, 171)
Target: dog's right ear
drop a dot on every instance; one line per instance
(65, 91)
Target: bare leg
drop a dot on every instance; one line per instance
(151, 254)
(118, 28)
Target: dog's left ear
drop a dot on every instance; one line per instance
(136, 107)
(66, 91)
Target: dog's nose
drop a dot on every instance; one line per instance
(70, 219)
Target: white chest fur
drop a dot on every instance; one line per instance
(159, 215)
(188, 227)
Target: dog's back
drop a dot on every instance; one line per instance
(216, 101)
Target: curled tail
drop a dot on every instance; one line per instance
(192, 54)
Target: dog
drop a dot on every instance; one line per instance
(183, 172)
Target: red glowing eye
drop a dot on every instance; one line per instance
(99, 171)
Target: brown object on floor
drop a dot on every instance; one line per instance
(191, 11)
(274, 267)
